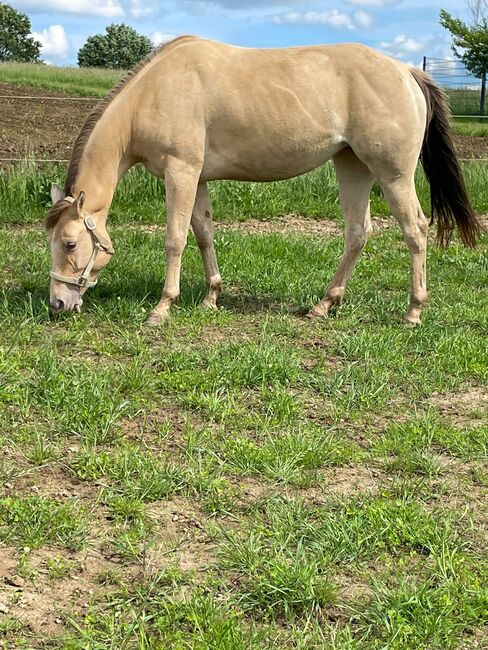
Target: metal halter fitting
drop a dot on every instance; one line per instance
(99, 243)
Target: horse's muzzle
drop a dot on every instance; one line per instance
(57, 305)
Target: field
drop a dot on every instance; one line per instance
(246, 478)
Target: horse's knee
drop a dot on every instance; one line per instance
(356, 237)
(174, 246)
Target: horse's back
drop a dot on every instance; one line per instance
(267, 114)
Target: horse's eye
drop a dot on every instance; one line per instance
(70, 245)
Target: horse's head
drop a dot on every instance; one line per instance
(79, 250)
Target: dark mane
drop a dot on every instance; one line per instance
(99, 110)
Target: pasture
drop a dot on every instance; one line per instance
(244, 478)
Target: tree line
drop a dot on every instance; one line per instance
(122, 47)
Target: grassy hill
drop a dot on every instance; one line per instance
(87, 82)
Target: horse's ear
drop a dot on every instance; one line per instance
(80, 202)
(57, 193)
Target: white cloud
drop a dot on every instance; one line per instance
(408, 44)
(54, 43)
(240, 4)
(140, 8)
(158, 37)
(373, 3)
(362, 19)
(402, 46)
(331, 17)
(102, 8)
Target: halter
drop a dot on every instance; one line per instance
(83, 280)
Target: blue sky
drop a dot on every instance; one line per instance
(406, 29)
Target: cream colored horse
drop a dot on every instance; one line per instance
(197, 110)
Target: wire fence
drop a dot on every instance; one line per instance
(465, 91)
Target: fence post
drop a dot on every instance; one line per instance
(424, 63)
(483, 91)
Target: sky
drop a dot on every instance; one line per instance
(405, 29)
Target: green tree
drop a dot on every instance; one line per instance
(470, 42)
(120, 47)
(16, 44)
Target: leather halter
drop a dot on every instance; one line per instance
(99, 243)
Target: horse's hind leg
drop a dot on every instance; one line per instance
(405, 207)
(201, 222)
(355, 182)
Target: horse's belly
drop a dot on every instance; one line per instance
(268, 159)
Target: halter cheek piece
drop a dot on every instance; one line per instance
(99, 243)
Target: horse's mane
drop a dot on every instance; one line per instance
(90, 123)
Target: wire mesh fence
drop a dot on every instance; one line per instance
(465, 91)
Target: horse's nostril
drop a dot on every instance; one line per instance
(57, 305)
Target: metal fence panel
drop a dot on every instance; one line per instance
(463, 89)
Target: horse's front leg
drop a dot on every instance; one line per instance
(181, 182)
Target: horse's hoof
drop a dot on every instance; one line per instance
(412, 322)
(315, 314)
(208, 305)
(154, 320)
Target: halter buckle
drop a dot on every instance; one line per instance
(89, 223)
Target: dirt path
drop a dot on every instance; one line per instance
(46, 128)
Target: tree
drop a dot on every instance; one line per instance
(16, 44)
(120, 47)
(470, 42)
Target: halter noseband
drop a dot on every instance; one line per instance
(99, 243)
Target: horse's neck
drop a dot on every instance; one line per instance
(104, 161)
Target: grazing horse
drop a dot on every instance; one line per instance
(196, 110)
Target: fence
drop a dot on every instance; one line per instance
(466, 93)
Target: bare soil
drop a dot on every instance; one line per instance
(46, 128)
(42, 128)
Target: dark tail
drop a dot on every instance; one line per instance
(449, 199)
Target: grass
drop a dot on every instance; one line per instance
(34, 521)
(474, 128)
(85, 82)
(244, 478)
(464, 101)
(25, 195)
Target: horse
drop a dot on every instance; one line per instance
(197, 110)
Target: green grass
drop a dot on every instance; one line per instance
(140, 198)
(34, 521)
(464, 101)
(474, 128)
(85, 82)
(244, 478)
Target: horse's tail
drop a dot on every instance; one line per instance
(449, 199)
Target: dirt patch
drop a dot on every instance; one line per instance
(40, 599)
(51, 481)
(468, 407)
(183, 540)
(45, 127)
(348, 481)
(41, 587)
(289, 224)
(471, 147)
(42, 128)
